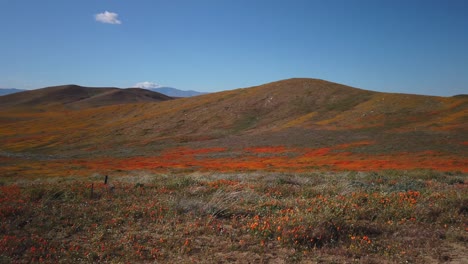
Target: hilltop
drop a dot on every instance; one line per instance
(77, 97)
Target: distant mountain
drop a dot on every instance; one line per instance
(5, 91)
(173, 92)
(75, 96)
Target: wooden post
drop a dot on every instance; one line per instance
(92, 190)
(105, 180)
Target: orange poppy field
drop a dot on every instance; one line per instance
(256, 204)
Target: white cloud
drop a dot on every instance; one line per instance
(146, 85)
(108, 18)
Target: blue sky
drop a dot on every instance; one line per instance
(408, 46)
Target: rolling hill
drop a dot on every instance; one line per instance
(295, 114)
(74, 96)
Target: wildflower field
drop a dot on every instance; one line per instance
(414, 216)
(293, 171)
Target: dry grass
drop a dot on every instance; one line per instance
(392, 216)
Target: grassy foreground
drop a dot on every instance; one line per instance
(346, 217)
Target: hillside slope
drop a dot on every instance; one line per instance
(296, 112)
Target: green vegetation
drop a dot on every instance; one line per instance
(246, 122)
(348, 103)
